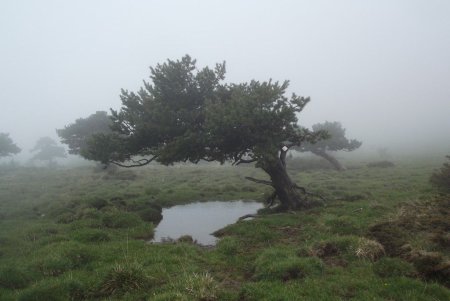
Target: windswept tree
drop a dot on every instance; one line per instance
(46, 149)
(185, 114)
(75, 135)
(336, 141)
(7, 146)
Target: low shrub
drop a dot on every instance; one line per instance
(151, 215)
(118, 219)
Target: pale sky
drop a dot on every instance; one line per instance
(382, 68)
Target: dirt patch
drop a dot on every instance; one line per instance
(428, 222)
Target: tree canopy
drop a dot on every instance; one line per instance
(75, 135)
(336, 141)
(7, 146)
(187, 114)
(46, 149)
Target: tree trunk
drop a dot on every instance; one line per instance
(285, 189)
(330, 159)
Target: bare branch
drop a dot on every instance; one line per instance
(137, 163)
(260, 181)
(240, 161)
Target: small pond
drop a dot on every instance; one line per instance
(201, 219)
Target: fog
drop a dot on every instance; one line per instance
(382, 68)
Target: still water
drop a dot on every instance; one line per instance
(200, 219)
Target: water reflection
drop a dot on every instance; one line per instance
(201, 219)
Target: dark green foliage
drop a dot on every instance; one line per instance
(151, 215)
(392, 267)
(336, 139)
(78, 133)
(168, 119)
(47, 150)
(7, 146)
(187, 115)
(441, 179)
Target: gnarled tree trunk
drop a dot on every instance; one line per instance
(285, 189)
(338, 166)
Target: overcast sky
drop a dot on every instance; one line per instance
(382, 68)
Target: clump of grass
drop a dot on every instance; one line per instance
(201, 286)
(119, 219)
(392, 267)
(55, 290)
(91, 235)
(228, 246)
(57, 258)
(369, 249)
(123, 278)
(280, 264)
(431, 265)
(152, 190)
(97, 203)
(343, 225)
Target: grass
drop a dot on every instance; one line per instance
(77, 234)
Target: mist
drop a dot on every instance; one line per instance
(381, 68)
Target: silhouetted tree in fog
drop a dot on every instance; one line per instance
(187, 114)
(7, 146)
(47, 150)
(76, 134)
(336, 141)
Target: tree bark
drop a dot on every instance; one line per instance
(285, 189)
(338, 166)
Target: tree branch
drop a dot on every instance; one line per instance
(141, 162)
(260, 181)
(240, 161)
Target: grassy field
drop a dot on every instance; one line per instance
(81, 234)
